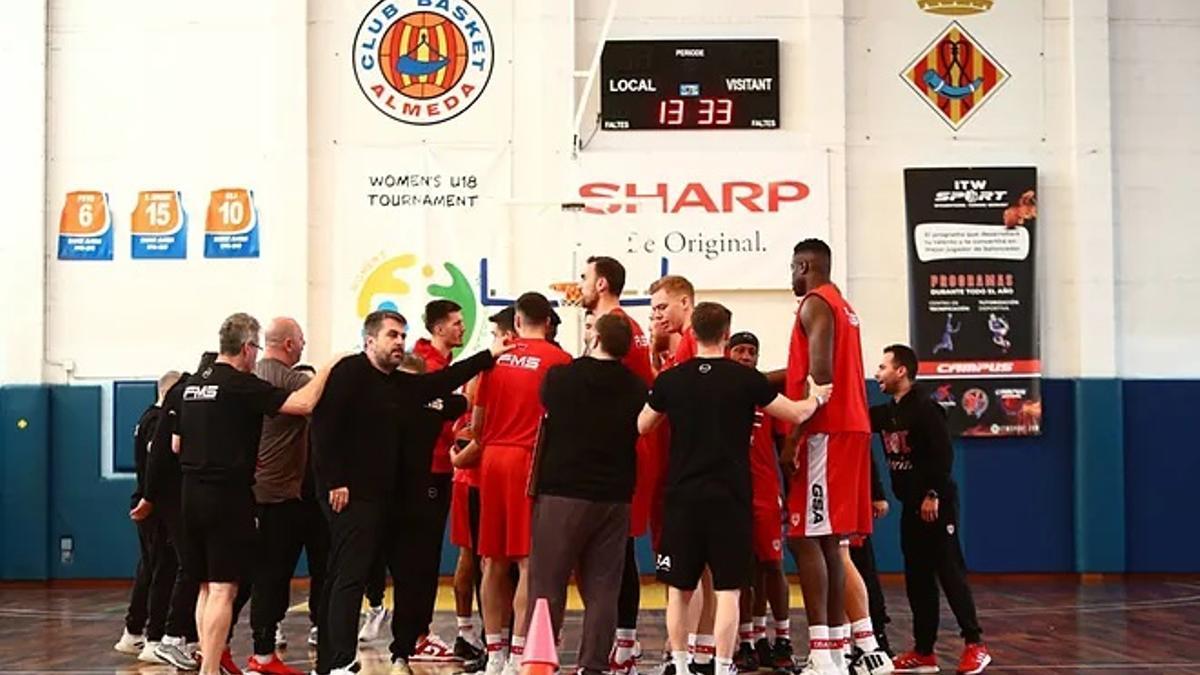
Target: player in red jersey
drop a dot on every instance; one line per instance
(508, 411)
(602, 282)
(769, 583)
(830, 494)
(464, 517)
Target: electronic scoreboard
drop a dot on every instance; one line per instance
(689, 84)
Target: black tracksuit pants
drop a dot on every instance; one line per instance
(418, 530)
(157, 565)
(933, 556)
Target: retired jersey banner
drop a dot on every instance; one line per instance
(972, 295)
(158, 225)
(85, 227)
(231, 228)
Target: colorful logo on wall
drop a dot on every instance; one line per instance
(955, 7)
(85, 227)
(159, 225)
(388, 284)
(231, 228)
(955, 75)
(423, 61)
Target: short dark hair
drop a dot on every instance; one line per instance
(813, 246)
(611, 270)
(903, 355)
(504, 319)
(438, 311)
(535, 308)
(710, 320)
(616, 336)
(374, 320)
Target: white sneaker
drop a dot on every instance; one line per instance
(147, 654)
(312, 636)
(432, 649)
(376, 618)
(129, 643)
(280, 638)
(511, 667)
(873, 663)
(495, 666)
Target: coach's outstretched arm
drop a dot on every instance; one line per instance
(427, 386)
(304, 400)
(798, 412)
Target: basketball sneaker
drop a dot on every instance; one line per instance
(762, 650)
(228, 666)
(465, 651)
(272, 666)
(975, 659)
(431, 649)
(148, 656)
(130, 644)
(746, 659)
(176, 653)
(511, 667)
(871, 663)
(912, 662)
(782, 655)
(375, 619)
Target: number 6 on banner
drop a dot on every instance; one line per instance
(85, 227)
(231, 228)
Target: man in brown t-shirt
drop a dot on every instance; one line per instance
(282, 457)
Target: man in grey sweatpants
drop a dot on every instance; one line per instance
(584, 474)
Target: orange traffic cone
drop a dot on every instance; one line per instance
(541, 658)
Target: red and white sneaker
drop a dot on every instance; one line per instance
(431, 649)
(975, 658)
(912, 662)
(228, 666)
(272, 666)
(628, 666)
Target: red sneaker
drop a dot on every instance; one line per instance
(975, 658)
(272, 666)
(227, 665)
(912, 662)
(431, 649)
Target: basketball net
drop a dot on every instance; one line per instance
(571, 291)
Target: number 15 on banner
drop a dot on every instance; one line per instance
(231, 228)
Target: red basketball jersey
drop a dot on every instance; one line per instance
(510, 392)
(847, 407)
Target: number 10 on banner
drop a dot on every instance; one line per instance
(231, 228)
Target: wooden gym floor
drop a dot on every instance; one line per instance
(1035, 625)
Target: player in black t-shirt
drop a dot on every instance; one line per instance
(710, 402)
(219, 426)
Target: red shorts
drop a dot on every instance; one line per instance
(768, 531)
(460, 515)
(648, 485)
(505, 508)
(831, 489)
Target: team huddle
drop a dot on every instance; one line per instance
(546, 467)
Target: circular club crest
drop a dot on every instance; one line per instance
(423, 61)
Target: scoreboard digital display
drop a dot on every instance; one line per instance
(689, 84)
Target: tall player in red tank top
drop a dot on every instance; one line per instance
(830, 494)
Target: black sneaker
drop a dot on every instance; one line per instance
(746, 659)
(709, 668)
(668, 668)
(782, 655)
(466, 651)
(762, 649)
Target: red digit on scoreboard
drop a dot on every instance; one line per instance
(724, 111)
(670, 112)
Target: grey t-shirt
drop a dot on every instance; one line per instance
(283, 446)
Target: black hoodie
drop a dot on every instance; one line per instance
(916, 442)
(589, 449)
